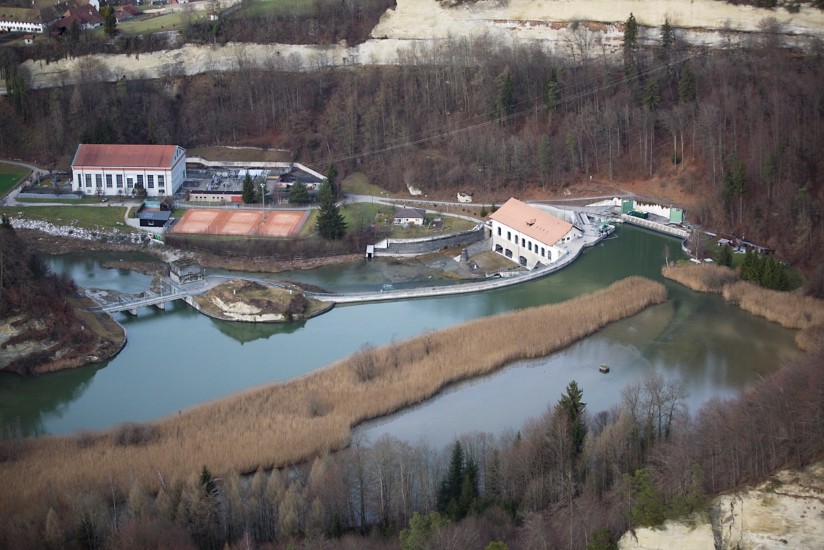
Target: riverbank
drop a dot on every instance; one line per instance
(252, 302)
(46, 243)
(789, 309)
(286, 423)
(30, 348)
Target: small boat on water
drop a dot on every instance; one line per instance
(603, 369)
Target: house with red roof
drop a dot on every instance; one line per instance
(87, 17)
(124, 13)
(530, 236)
(122, 170)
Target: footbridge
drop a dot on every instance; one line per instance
(131, 303)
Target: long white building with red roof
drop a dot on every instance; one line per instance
(530, 236)
(121, 170)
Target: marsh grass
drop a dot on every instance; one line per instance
(293, 421)
(789, 309)
(702, 278)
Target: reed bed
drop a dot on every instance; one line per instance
(702, 278)
(290, 422)
(788, 309)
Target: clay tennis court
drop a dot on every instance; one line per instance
(277, 223)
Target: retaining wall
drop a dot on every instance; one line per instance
(414, 247)
(52, 196)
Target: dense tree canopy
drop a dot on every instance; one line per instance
(566, 121)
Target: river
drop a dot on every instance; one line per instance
(178, 358)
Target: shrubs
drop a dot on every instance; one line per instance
(766, 271)
(132, 434)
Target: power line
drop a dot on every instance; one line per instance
(531, 109)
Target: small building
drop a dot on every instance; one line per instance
(124, 13)
(185, 271)
(87, 17)
(154, 218)
(409, 216)
(216, 196)
(634, 207)
(121, 170)
(464, 197)
(166, 204)
(28, 39)
(530, 236)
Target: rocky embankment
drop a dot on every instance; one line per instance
(79, 233)
(251, 302)
(786, 511)
(31, 346)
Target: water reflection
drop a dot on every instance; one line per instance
(713, 349)
(179, 358)
(52, 400)
(249, 332)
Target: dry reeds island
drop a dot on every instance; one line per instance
(290, 422)
(789, 309)
(701, 277)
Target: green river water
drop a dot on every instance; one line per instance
(178, 358)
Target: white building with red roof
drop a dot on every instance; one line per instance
(530, 236)
(120, 170)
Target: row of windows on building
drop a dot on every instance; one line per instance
(525, 243)
(118, 180)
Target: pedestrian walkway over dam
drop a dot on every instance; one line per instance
(574, 249)
(170, 291)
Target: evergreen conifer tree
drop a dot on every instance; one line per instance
(248, 193)
(331, 224)
(573, 408)
(298, 193)
(724, 256)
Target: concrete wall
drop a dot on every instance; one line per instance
(410, 247)
(62, 196)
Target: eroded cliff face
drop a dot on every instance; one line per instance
(429, 31)
(786, 511)
(33, 346)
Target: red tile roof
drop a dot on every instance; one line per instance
(124, 156)
(87, 14)
(532, 222)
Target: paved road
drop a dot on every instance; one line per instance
(36, 172)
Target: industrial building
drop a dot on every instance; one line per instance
(122, 170)
(529, 236)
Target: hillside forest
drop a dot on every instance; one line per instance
(742, 128)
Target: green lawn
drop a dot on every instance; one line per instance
(146, 24)
(275, 7)
(85, 200)
(359, 184)
(88, 217)
(363, 214)
(310, 226)
(10, 175)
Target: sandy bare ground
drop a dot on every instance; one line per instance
(416, 29)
